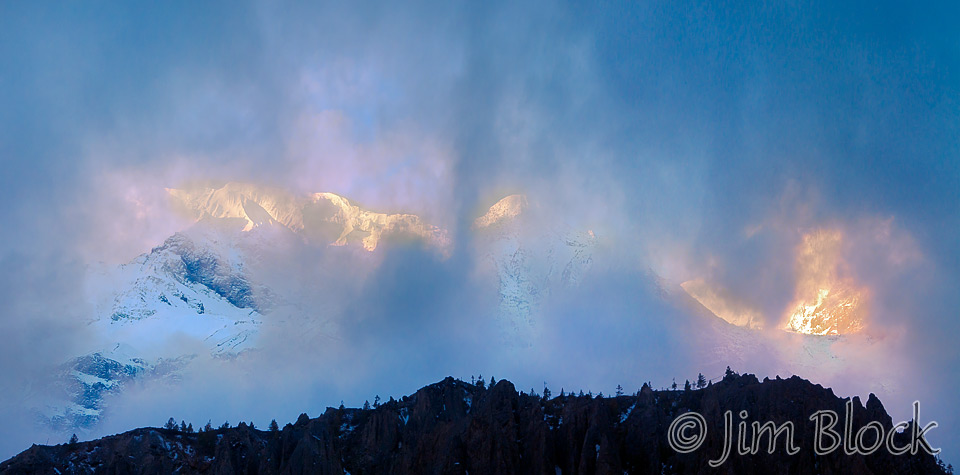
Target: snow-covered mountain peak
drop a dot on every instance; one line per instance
(506, 209)
(356, 224)
(256, 205)
(325, 218)
(532, 256)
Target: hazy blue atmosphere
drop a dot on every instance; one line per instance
(697, 142)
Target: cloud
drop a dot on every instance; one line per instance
(697, 143)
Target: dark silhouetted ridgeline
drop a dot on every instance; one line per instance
(456, 427)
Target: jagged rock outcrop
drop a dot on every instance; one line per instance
(456, 427)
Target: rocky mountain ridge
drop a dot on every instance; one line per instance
(325, 218)
(457, 427)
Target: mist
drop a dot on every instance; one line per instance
(696, 141)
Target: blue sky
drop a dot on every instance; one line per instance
(672, 126)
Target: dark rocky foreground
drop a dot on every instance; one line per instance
(457, 427)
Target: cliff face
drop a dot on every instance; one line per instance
(456, 427)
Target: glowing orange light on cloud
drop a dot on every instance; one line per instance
(826, 301)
